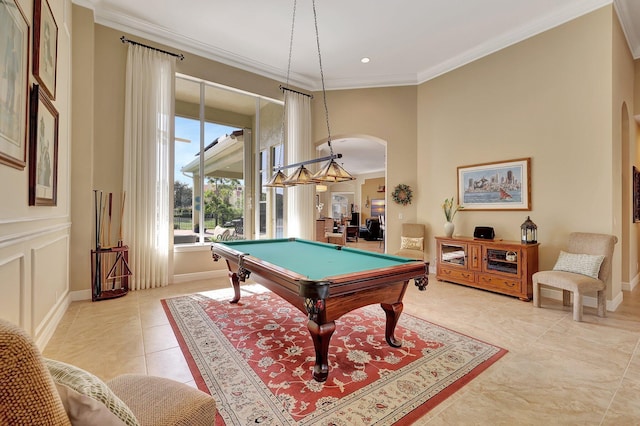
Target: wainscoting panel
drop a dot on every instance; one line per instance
(12, 289)
(50, 275)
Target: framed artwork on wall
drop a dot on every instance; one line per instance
(14, 84)
(45, 47)
(636, 194)
(504, 185)
(43, 150)
(377, 207)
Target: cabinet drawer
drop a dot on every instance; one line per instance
(503, 285)
(455, 275)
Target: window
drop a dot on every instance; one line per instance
(215, 130)
(188, 201)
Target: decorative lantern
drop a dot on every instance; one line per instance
(529, 232)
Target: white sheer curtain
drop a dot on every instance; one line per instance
(148, 121)
(300, 205)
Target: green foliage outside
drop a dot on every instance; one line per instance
(223, 202)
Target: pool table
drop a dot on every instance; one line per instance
(325, 281)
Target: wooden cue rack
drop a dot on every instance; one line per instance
(110, 272)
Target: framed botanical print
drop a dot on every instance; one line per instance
(14, 84)
(45, 47)
(43, 150)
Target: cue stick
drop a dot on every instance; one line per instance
(109, 231)
(124, 194)
(97, 278)
(102, 238)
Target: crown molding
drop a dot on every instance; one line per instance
(140, 28)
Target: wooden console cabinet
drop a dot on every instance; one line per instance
(500, 266)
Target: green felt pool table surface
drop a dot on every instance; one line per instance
(315, 260)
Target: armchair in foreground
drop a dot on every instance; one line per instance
(39, 391)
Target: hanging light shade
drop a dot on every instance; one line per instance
(277, 180)
(301, 176)
(332, 172)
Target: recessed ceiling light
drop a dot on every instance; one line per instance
(365, 60)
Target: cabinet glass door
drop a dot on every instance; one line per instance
(505, 261)
(453, 254)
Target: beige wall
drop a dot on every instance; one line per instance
(556, 98)
(548, 98)
(82, 149)
(623, 137)
(387, 115)
(34, 241)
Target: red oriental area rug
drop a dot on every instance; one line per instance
(256, 359)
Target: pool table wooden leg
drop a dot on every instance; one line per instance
(393, 312)
(321, 335)
(235, 283)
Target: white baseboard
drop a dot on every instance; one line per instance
(631, 285)
(46, 329)
(78, 295)
(197, 276)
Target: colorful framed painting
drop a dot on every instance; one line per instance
(14, 84)
(43, 150)
(504, 185)
(45, 47)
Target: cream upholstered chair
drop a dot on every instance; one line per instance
(585, 267)
(38, 391)
(412, 241)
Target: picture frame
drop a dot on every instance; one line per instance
(43, 150)
(14, 84)
(45, 47)
(636, 194)
(502, 185)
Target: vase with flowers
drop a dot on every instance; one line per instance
(449, 213)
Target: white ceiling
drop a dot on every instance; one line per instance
(408, 41)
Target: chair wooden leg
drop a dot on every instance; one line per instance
(577, 306)
(566, 298)
(602, 303)
(536, 294)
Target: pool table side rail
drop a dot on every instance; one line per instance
(339, 284)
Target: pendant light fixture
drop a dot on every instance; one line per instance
(332, 171)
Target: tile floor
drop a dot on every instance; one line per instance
(557, 371)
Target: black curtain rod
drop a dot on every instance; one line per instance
(177, 55)
(295, 91)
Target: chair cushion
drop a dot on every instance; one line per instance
(411, 243)
(585, 264)
(411, 254)
(87, 399)
(568, 281)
